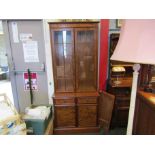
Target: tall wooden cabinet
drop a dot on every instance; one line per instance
(75, 66)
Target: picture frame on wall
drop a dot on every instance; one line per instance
(119, 23)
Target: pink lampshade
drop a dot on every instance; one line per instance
(137, 42)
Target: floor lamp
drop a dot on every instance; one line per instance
(136, 45)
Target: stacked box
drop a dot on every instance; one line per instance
(38, 126)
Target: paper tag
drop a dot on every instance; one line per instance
(25, 37)
(30, 49)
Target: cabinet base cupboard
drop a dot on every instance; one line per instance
(75, 66)
(76, 113)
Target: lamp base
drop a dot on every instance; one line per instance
(136, 68)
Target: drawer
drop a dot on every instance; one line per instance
(62, 101)
(87, 100)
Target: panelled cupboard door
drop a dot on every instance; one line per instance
(87, 115)
(63, 59)
(86, 59)
(106, 105)
(65, 115)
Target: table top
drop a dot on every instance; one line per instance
(124, 82)
(148, 97)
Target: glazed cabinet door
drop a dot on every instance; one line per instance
(86, 59)
(63, 59)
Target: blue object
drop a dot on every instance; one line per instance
(39, 126)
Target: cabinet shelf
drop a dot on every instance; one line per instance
(63, 78)
(85, 42)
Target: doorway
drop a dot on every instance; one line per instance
(5, 83)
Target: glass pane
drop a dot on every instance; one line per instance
(68, 37)
(59, 54)
(64, 60)
(58, 37)
(68, 67)
(90, 36)
(86, 61)
(69, 85)
(62, 37)
(85, 36)
(61, 85)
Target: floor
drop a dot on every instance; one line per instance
(5, 87)
(117, 131)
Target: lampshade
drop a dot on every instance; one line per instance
(136, 42)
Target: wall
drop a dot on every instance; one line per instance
(48, 55)
(104, 29)
(18, 65)
(3, 58)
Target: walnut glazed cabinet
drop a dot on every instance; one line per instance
(75, 69)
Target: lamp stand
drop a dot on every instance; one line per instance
(136, 68)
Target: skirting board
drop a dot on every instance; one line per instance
(68, 131)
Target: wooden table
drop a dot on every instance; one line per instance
(144, 120)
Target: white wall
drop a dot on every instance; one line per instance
(48, 55)
(3, 58)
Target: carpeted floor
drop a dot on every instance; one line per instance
(115, 131)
